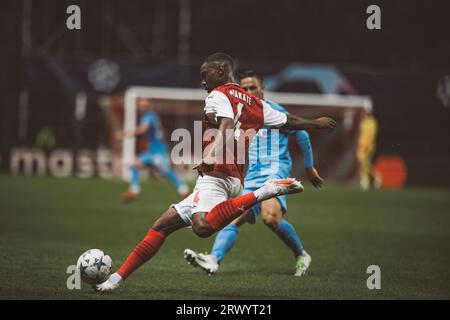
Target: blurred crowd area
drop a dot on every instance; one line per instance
(314, 47)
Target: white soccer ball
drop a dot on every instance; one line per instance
(94, 266)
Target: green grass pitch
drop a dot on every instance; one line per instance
(46, 223)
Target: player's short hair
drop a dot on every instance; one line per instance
(221, 58)
(251, 74)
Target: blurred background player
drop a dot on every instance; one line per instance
(366, 149)
(265, 163)
(157, 155)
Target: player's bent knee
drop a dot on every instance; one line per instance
(138, 163)
(202, 230)
(159, 224)
(200, 225)
(271, 221)
(169, 222)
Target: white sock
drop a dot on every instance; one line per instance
(183, 189)
(115, 278)
(135, 189)
(267, 191)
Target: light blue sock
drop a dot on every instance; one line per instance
(287, 233)
(134, 181)
(224, 241)
(173, 178)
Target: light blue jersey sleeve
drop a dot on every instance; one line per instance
(148, 119)
(154, 135)
(302, 138)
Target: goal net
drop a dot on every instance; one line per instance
(180, 110)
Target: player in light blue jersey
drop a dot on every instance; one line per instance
(157, 155)
(269, 158)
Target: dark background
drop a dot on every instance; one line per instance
(414, 33)
(399, 66)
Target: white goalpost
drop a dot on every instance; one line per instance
(314, 103)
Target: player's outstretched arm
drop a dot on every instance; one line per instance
(303, 140)
(277, 119)
(142, 129)
(314, 177)
(297, 123)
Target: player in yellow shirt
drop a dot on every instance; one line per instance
(366, 150)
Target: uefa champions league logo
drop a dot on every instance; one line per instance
(443, 91)
(104, 75)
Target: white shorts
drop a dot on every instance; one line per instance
(208, 192)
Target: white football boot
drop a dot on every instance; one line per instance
(109, 285)
(302, 264)
(277, 187)
(206, 262)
